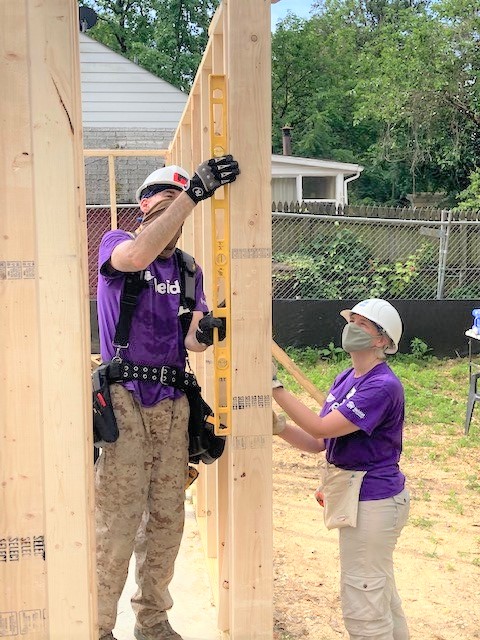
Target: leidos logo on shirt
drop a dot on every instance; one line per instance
(350, 404)
(354, 409)
(167, 287)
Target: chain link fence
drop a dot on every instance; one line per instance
(372, 252)
(98, 223)
(352, 253)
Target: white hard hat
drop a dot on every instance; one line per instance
(172, 175)
(382, 313)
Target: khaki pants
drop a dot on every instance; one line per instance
(371, 606)
(140, 492)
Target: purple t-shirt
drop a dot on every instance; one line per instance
(156, 336)
(375, 403)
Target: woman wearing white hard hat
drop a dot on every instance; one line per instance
(362, 488)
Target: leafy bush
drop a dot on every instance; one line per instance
(329, 268)
(469, 291)
(343, 267)
(404, 279)
(419, 348)
(470, 197)
(332, 353)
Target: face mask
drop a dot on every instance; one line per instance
(354, 338)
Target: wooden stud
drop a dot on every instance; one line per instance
(113, 192)
(239, 46)
(22, 527)
(250, 499)
(47, 469)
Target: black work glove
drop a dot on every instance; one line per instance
(210, 175)
(204, 333)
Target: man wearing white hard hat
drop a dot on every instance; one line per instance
(140, 478)
(362, 488)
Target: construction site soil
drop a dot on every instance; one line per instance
(437, 559)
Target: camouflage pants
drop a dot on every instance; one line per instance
(139, 495)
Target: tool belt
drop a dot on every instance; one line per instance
(204, 445)
(123, 371)
(117, 371)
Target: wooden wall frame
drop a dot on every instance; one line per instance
(47, 579)
(234, 495)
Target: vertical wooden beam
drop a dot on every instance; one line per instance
(22, 528)
(239, 486)
(46, 459)
(204, 496)
(250, 512)
(184, 160)
(113, 192)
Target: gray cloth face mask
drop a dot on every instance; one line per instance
(354, 338)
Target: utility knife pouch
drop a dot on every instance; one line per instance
(105, 427)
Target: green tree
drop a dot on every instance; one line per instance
(418, 75)
(469, 198)
(166, 37)
(313, 78)
(391, 84)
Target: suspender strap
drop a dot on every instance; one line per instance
(188, 267)
(120, 370)
(134, 283)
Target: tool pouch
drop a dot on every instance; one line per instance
(105, 427)
(340, 491)
(204, 446)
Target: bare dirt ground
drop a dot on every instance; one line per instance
(437, 557)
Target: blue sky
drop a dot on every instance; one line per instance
(298, 7)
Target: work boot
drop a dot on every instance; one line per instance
(161, 631)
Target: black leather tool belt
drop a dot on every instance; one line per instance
(124, 371)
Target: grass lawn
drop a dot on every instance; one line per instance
(436, 393)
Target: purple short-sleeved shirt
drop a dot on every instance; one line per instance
(156, 336)
(375, 403)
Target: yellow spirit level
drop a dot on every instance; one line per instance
(222, 359)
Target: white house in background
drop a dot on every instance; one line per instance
(123, 107)
(300, 179)
(127, 107)
(118, 93)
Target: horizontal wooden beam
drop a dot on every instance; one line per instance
(123, 153)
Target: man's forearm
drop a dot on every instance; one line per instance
(153, 239)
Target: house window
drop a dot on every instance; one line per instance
(318, 188)
(284, 190)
